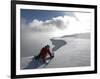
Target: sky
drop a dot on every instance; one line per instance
(57, 22)
(43, 15)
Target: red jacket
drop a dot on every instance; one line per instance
(44, 51)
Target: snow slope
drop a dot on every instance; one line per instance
(73, 52)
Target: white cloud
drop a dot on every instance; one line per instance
(63, 25)
(59, 23)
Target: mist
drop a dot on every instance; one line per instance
(36, 34)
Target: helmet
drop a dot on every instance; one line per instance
(47, 46)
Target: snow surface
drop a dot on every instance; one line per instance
(69, 51)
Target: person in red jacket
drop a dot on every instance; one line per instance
(43, 53)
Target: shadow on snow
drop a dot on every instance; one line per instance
(37, 63)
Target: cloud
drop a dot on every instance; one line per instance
(59, 23)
